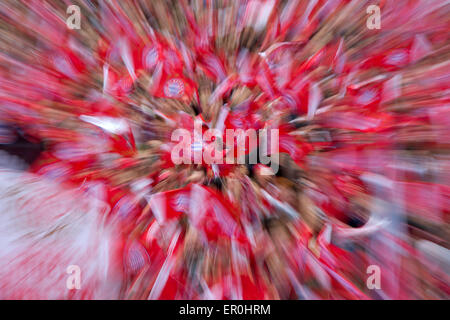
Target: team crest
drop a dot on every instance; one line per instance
(367, 97)
(151, 57)
(396, 58)
(137, 257)
(181, 203)
(174, 88)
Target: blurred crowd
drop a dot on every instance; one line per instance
(87, 178)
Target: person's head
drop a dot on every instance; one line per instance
(262, 174)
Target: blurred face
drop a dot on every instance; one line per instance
(308, 213)
(263, 176)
